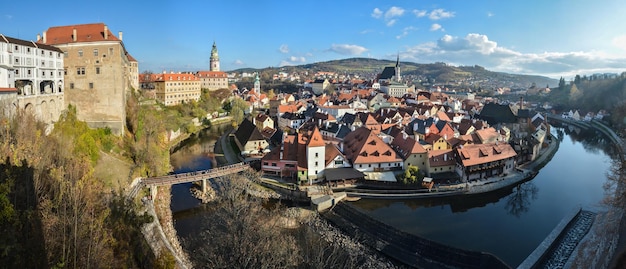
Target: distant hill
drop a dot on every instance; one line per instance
(439, 73)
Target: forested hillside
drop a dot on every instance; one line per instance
(593, 94)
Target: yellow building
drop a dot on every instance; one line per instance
(98, 72)
(174, 88)
(212, 80)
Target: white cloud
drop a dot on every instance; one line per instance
(394, 12)
(490, 14)
(347, 49)
(439, 14)
(293, 60)
(238, 62)
(377, 13)
(283, 48)
(406, 32)
(297, 59)
(390, 16)
(435, 27)
(420, 13)
(478, 49)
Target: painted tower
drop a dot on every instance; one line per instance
(215, 59)
(257, 84)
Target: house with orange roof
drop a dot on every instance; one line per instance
(175, 88)
(212, 80)
(441, 162)
(488, 136)
(476, 161)
(411, 151)
(437, 142)
(302, 157)
(99, 72)
(368, 153)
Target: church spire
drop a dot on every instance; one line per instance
(215, 59)
(398, 78)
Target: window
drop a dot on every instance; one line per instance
(17, 60)
(95, 52)
(65, 54)
(51, 73)
(80, 71)
(315, 163)
(17, 72)
(80, 53)
(27, 49)
(43, 73)
(65, 71)
(28, 72)
(110, 50)
(90, 85)
(316, 154)
(71, 85)
(16, 47)
(98, 70)
(43, 63)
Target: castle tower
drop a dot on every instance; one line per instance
(215, 59)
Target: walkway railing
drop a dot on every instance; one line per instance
(194, 175)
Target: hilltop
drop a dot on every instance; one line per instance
(439, 73)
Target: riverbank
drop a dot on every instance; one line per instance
(524, 173)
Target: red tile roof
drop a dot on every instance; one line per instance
(363, 146)
(84, 33)
(8, 89)
(442, 157)
(211, 74)
(474, 154)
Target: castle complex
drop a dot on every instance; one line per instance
(213, 79)
(99, 72)
(31, 78)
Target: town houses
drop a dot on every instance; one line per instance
(367, 134)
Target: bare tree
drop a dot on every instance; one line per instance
(241, 233)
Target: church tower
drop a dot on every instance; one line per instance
(215, 59)
(398, 78)
(257, 84)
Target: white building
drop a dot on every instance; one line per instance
(36, 72)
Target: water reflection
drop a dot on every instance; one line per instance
(520, 200)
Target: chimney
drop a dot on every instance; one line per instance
(106, 32)
(45, 39)
(120, 35)
(74, 35)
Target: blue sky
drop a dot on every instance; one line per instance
(552, 38)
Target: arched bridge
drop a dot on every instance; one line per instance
(200, 175)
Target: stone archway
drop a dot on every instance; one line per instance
(43, 112)
(29, 108)
(53, 110)
(60, 86)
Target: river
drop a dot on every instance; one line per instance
(509, 223)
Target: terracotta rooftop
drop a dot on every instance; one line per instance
(211, 74)
(474, 154)
(84, 33)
